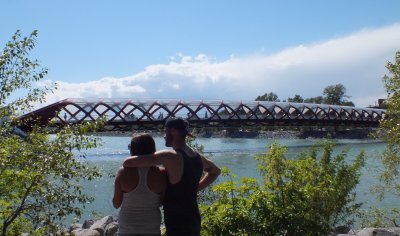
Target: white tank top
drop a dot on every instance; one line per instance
(140, 209)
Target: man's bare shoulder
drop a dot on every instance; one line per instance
(166, 154)
(169, 159)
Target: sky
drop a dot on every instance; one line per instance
(209, 50)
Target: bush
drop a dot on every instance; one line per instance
(306, 196)
(40, 178)
(389, 176)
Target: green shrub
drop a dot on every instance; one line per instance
(306, 196)
(377, 217)
(40, 178)
(389, 176)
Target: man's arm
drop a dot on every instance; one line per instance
(172, 162)
(211, 173)
(158, 158)
(141, 161)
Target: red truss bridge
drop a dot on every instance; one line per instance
(129, 114)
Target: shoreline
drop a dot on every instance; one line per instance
(269, 134)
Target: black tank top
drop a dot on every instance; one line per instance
(181, 211)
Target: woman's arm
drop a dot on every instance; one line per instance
(163, 182)
(118, 194)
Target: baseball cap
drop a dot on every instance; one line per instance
(179, 124)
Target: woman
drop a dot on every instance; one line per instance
(139, 192)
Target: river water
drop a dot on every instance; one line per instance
(237, 155)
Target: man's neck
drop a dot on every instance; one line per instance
(180, 145)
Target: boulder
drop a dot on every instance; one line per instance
(87, 224)
(112, 229)
(340, 230)
(376, 232)
(86, 232)
(75, 226)
(101, 224)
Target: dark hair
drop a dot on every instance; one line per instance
(142, 144)
(179, 124)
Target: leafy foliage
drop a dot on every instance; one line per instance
(306, 196)
(390, 127)
(332, 94)
(18, 71)
(40, 174)
(296, 98)
(316, 100)
(335, 95)
(191, 142)
(376, 217)
(268, 97)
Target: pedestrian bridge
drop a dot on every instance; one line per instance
(128, 114)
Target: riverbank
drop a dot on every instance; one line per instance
(267, 134)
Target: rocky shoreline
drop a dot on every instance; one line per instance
(108, 226)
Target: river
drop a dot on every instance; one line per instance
(237, 155)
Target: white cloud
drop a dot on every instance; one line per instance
(357, 61)
(103, 88)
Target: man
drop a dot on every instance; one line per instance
(187, 171)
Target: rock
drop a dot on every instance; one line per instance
(75, 226)
(341, 230)
(376, 232)
(112, 229)
(101, 224)
(86, 232)
(87, 224)
(62, 232)
(394, 230)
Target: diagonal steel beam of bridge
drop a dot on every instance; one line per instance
(129, 114)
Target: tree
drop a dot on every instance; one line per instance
(17, 71)
(347, 103)
(308, 195)
(335, 95)
(40, 174)
(296, 98)
(272, 97)
(389, 126)
(316, 100)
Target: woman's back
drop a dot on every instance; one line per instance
(129, 178)
(139, 192)
(140, 209)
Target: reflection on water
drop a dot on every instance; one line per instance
(236, 154)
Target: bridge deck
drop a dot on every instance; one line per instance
(128, 114)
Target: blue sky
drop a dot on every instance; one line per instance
(232, 50)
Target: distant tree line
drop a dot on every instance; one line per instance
(333, 95)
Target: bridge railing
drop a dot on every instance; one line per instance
(147, 114)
